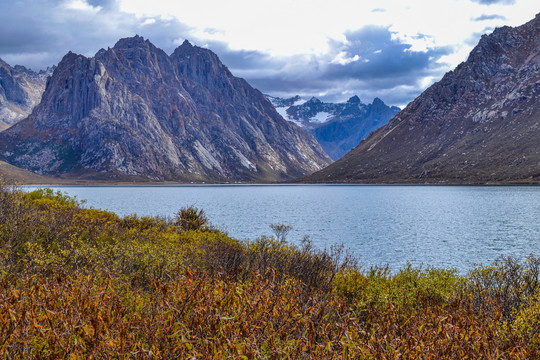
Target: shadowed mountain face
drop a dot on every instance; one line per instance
(480, 123)
(20, 91)
(133, 112)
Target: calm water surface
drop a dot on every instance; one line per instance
(443, 226)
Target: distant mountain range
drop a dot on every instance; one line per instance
(338, 127)
(133, 112)
(20, 91)
(479, 124)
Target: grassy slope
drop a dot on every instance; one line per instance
(19, 175)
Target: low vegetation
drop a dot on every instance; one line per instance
(86, 283)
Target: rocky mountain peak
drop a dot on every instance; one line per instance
(378, 102)
(186, 45)
(133, 112)
(193, 57)
(355, 100)
(69, 56)
(70, 59)
(23, 69)
(187, 49)
(131, 42)
(204, 67)
(136, 49)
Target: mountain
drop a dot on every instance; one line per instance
(338, 127)
(134, 113)
(20, 91)
(479, 124)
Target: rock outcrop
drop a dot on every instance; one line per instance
(20, 92)
(479, 124)
(133, 112)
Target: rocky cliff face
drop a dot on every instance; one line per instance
(338, 127)
(480, 123)
(20, 91)
(133, 112)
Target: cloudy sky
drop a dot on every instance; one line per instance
(391, 49)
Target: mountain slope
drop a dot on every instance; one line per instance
(12, 174)
(133, 112)
(338, 127)
(20, 91)
(480, 123)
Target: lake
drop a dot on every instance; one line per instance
(443, 226)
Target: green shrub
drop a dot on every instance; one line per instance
(410, 286)
(191, 218)
(58, 197)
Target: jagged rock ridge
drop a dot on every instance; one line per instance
(338, 127)
(134, 112)
(20, 91)
(479, 124)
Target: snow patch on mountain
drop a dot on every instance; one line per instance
(299, 102)
(283, 112)
(321, 117)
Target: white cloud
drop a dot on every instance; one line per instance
(284, 27)
(149, 21)
(279, 27)
(81, 5)
(342, 59)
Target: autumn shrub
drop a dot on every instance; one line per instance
(272, 259)
(86, 283)
(314, 267)
(525, 322)
(198, 315)
(506, 284)
(10, 203)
